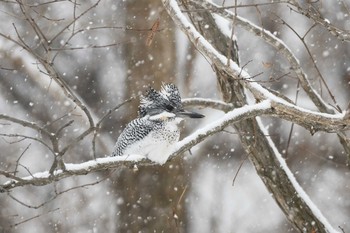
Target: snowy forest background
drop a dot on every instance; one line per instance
(106, 52)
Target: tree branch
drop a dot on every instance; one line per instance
(314, 120)
(341, 34)
(279, 45)
(271, 167)
(44, 178)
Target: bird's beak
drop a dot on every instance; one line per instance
(189, 114)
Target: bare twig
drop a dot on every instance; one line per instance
(25, 11)
(89, 46)
(24, 123)
(24, 137)
(292, 126)
(34, 217)
(341, 34)
(277, 184)
(279, 45)
(74, 21)
(19, 158)
(153, 32)
(302, 38)
(239, 168)
(236, 6)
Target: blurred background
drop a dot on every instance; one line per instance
(104, 57)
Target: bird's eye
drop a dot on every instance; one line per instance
(169, 107)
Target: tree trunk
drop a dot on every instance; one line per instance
(148, 198)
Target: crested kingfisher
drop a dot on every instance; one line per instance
(156, 129)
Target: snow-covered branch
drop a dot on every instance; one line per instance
(284, 109)
(282, 48)
(58, 127)
(229, 118)
(44, 178)
(312, 120)
(307, 212)
(275, 42)
(207, 103)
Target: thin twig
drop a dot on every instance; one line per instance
(29, 219)
(19, 158)
(239, 168)
(24, 137)
(302, 38)
(74, 21)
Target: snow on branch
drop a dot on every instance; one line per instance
(229, 118)
(268, 107)
(275, 42)
(47, 177)
(295, 183)
(283, 109)
(279, 106)
(44, 178)
(207, 103)
(283, 49)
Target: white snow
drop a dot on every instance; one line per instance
(274, 98)
(234, 67)
(88, 165)
(227, 117)
(295, 183)
(223, 25)
(219, 102)
(99, 161)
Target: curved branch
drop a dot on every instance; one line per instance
(238, 114)
(24, 123)
(269, 164)
(317, 121)
(28, 137)
(234, 71)
(279, 45)
(47, 64)
(44, 178)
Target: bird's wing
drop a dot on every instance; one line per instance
(133, 132)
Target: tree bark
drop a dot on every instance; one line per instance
(148, 198)
(252, 137)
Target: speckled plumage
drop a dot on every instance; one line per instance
(151, 138)
(154, 133)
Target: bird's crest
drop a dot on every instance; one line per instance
(171, 92)
(167, 99)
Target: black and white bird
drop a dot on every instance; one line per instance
(156, 130)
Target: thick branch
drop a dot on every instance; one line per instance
(44, 178)
(279, 45)
(207, 103)
(220, 61)
(236, 115)
(298, 207)
(266, 107)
